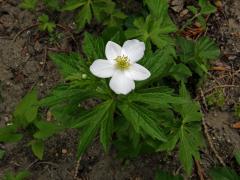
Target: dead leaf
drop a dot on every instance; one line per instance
(236, 125)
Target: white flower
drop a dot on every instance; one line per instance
(121, 65)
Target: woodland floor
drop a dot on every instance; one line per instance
(24, 64)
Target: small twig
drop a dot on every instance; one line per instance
(205, 128)
(211, 143)
(25, 29)
(77, 168)
(200, 171)
(221, 86)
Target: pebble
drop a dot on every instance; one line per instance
(184, 12)
(64, 151)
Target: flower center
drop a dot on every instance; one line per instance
(122, 62)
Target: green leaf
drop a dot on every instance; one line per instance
(2, 153)
(206, 7)
(26, 111)
(153, 29)
(158, 8)
(9, 134)
(107, 128)
(186, 49)
(73, 4)
(223, 173)
(115, 18)
(206, 49)
(45, 24)
(68, 64)
(52, 4)
(64, 94)
(37, 148)
(93, 47)
(193, 9)
(197, 54)
(46, 129)
(184, 153)
(237, 157)
(142, 120)
(156, 99)
(102, 9)
(28, 4)
(21, 175)
(83, 17)
(180, 72)
(158, 64)
(161, 175)
(91, 122)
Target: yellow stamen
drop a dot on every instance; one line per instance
(122, 62)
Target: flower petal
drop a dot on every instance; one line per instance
(121, 84)
(137, 72)
(112, 50)
(102, 68)
(134, 49)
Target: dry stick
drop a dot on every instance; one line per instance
(77, 167)
(205, 128)
(200, 171)
(25, 29)
(221, 86)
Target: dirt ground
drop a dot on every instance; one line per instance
(24, 64)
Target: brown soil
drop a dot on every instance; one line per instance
(23, 64)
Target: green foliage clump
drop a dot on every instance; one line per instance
(159, 115)
(216, 98)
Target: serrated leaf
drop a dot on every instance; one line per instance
(52, 4)
(186, 49)
(45, 24)
(101, 8)
(153, 29)
(169, 145)
(92, 122)
(141, 120)
(158, 64)
(26, 111)
(107, 128)
(45, 129)
(185, 154)
(68, 64)
(206, 7)
(180, 72)
(9, 134)
(73, 4)
(156, 99)
(223, 173)
(93, 47)
(193, 9)
(37, 148)
(83, 17)
(161, 175)
(206, 49)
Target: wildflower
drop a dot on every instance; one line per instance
(121, 65)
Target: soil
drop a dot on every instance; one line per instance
(24, 64)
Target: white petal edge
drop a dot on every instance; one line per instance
(134, 49)
(137, 72)
(112, 50)
(102, 68)
(121, 84)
